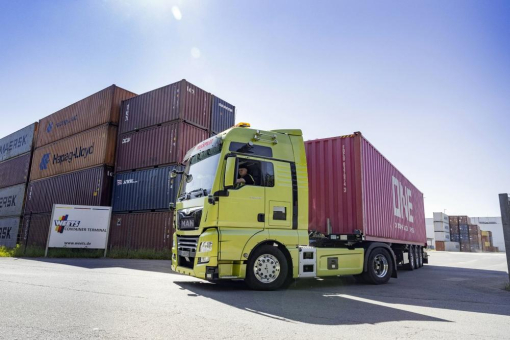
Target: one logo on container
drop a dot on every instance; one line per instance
(126, 181)
(44, 161)
(63, 223)
(49, 127)
(402, 204)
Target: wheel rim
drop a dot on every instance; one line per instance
(380, 265)
(266, 268)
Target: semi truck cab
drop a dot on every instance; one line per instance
(227, 229)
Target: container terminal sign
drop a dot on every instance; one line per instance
(78, 226)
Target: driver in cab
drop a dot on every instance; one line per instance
(244, 178)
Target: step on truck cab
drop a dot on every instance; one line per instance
(242, 213)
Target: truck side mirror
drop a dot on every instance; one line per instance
(230, 172)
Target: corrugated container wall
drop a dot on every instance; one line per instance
(87, 149)
(151, 230)
(354, 187)
(151, 189)
(15, 170)
(223, 115)
(34, 231)
(18, 143)
(159, 145)
(86, 187)
(100, 108)
(181, 100)
(11, 200)
(9, 227)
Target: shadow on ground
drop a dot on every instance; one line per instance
(335, 301)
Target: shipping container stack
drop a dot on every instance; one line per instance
(442, 234)
(474, 238)
(15, 156)
(156, 130)
(487, 243)
(73, 160)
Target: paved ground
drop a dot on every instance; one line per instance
(457, 296)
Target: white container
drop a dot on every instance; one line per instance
(442, 236)
(452, 246)
(442, 227)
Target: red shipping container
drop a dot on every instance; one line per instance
(151, 230)
(34, 231)
(166, 144)
(100, 108)
(353, 186)
(91, 186)
(181, 100)
(15, 170)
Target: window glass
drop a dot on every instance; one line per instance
(258, 150)
(254, 172)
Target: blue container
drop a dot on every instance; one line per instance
(223, 115)
(145, 190)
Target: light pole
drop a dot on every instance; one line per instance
(504, 203)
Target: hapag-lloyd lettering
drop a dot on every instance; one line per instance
(79, 152)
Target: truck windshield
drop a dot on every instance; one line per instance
(202, 169)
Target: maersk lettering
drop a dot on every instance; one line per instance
(8, 201)
(5, 233)
(402, 204)
(76, 153)
(13, 144)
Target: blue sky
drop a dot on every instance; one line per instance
(428, 83)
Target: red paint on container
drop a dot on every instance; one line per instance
(166, 144)
(15, 170)
(356, 188)
(34, 230)
(85, 187)
(152, 230)
(181, 100)
(100, 108)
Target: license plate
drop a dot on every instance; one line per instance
(187, 223)
(184, 253)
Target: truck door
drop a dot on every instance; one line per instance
(244, 206)
(278, 195)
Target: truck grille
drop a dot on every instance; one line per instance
(186, 250)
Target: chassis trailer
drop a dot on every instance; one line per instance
(257, 227)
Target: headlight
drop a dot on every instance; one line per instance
(203, 259)
(206, 246)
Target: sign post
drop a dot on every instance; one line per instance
(504, 203)
(78, 226)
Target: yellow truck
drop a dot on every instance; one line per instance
(243, 213)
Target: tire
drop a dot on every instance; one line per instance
(420, 257)
(379, 267)
(267, 269)
(410, 257)
(416, 258)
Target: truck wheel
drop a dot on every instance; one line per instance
(267, 269)
(379, 267)
(416, 257)
(410, 257)
(420, 257)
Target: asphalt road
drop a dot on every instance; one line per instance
(458, 295)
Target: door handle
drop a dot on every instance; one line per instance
(261, 217)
